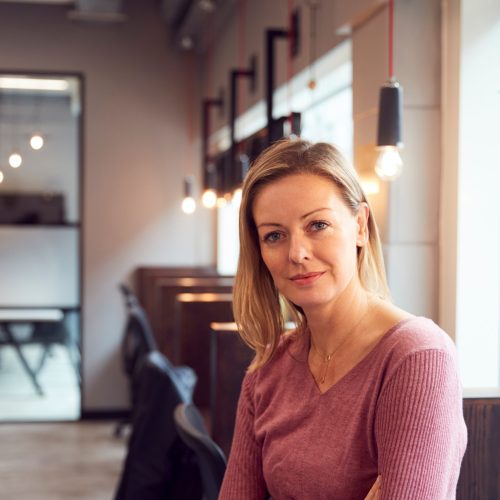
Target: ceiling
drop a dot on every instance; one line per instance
(188, 20)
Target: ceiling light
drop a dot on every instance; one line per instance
(36, 141)
(15, 160)
(23, 83)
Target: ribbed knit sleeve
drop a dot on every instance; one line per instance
(244, 478)
(419, 428)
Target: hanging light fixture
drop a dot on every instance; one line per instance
(1, 177)
(209, 196)
(389, 164)
(15, 159)
(188, 203)
(36, 141)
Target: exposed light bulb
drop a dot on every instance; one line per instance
(36, 141)
(188, 205)
(15, 160)
(221, 202)
(1, 177)
(237, 197)
(389, 164)
(209, 198)
(370, 186)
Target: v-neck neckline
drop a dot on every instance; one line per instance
(306, 341)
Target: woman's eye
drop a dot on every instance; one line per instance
(272, 237)
(319, 225)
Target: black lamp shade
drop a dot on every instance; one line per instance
(390, 115)
(188, 186)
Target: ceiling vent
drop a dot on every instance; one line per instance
(98, 11)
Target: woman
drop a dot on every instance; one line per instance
(362, 399)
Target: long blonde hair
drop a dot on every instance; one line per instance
(258, 306)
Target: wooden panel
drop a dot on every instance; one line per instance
(229, 359)
(167, 290)
(480, 473)
(193, 315)
(157, 288)
(146, 277)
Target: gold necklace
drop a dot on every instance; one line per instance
(328, 357)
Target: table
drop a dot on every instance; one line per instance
(33, 316)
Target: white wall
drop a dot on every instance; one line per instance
(136, 152)
(478, 210)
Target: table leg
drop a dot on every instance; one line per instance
(12, 340)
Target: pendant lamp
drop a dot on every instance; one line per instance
(389, 164)
(188, 203)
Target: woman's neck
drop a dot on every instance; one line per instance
(331, 325)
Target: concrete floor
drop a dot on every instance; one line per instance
(63, 461)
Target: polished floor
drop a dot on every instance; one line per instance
(62, 461)
(18, 399)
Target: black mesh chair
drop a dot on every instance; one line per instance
(211, 459)
(139, 341)
(138, 338)
(158, 464)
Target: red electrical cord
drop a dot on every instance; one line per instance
(391, 39)
(291, 40)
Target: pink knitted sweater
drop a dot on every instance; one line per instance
(397, 413)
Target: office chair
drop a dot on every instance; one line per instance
(139, 341)
(211, 459)
(158, 465)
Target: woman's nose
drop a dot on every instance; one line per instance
(299, 250)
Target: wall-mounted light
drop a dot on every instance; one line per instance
(389, 164)
(15, 160)
(209, 196)
(188, 203)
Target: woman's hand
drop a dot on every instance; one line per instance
(374, 493)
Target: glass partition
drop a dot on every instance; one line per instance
(40, 242)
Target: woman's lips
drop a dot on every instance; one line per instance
(305, 279)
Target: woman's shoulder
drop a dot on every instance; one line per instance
(415, 336)
(418, 333)
(289, 349)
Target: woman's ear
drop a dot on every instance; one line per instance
(362, 224)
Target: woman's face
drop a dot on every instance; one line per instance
(308, 239)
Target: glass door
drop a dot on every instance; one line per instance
(40, 246)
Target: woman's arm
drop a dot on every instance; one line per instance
(244, 478)
(419, 428)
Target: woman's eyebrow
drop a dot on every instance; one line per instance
(277, 224)
(314, 211)
(273, 224)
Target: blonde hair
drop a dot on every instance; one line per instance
(258, 306)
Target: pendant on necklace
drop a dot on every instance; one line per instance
(327, 361)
